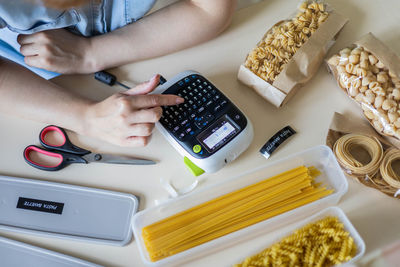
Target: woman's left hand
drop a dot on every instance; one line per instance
(57, 50)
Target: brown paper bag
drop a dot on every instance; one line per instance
(301, 67)
(342, 125)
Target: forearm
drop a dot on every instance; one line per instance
(170, 29)
(26, 95)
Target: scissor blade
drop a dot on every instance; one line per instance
(113, 159)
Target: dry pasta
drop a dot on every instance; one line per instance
(386, 168)
(268, 59)
(372, 85)
(322, 243)
(346, 143)
(378, 172)
(233, 211)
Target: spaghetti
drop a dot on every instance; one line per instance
(233, 211)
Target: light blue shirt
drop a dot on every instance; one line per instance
(94, 18)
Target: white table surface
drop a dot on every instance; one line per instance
(375, 215)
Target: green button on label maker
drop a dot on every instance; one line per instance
(196, 148)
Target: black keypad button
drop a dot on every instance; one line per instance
(216, 97)
(184, 122)
(176, 128)
(181, 135)
(203, 120)
(217, 108)
(202, 102)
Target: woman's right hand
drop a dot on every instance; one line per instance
(127, 119)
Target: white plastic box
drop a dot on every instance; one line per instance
(18, 254)
(331, 211)
(320, 157)
(66, 211)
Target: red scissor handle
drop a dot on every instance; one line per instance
(65, 145)
(64, 159)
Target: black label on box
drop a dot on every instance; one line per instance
(40, 205)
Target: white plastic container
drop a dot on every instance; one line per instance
(331, 211)
(320, 157)
(18, 254)
(66, 211)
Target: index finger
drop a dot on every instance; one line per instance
(156, 100)
(25, 39)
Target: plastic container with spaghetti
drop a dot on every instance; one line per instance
(321, 157)
(328, 212)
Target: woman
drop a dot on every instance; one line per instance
(78, 36)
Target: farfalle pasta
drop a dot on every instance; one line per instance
(290, 52)
(369, 73)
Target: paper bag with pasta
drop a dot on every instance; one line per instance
(290, 52)
(369, 72)
(363, 154)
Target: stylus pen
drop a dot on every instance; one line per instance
(110, 79)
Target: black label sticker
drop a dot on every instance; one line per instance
(276, 141)
(40, 205)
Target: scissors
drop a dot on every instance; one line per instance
(67, 153)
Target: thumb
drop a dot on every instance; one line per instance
(144, 88)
